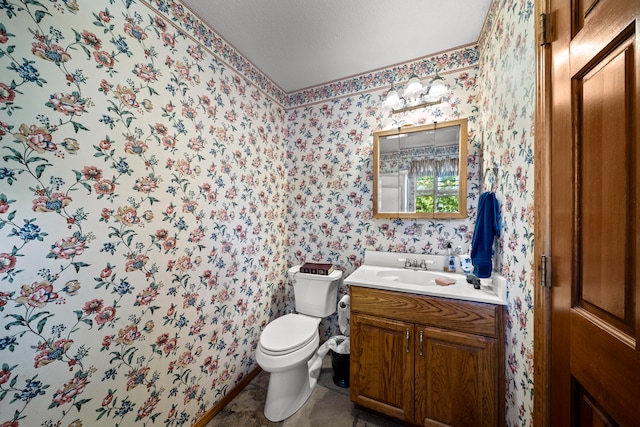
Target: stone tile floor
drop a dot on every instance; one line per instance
(328, 406)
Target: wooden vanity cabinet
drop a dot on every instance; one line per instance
(427, 361)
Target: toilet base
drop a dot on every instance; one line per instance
(288, 391)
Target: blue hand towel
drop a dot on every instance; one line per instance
(487, 227)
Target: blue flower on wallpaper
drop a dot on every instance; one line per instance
(28, 72)
(29, 232)
(6, 173)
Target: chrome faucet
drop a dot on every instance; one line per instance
(415, 265)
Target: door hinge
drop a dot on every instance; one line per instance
(544, 260)
(544, 27)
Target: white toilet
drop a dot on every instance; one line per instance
(288, 343)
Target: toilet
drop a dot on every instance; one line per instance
(288, 343)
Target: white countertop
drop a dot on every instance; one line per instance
(392, 278)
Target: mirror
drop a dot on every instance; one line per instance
(421, 171)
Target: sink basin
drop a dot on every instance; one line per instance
(424, 278)
(422, 282)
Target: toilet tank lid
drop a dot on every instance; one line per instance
(289, 332)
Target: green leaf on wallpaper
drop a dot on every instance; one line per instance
(88, 322)
(20, 321)
(79, 403)
(17, 157)
(42, 323)
(39, 15)
(87, 186)
(36, 159)
(78, 265)
(78, 126)
(40, 169)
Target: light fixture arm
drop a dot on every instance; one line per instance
(416, 95)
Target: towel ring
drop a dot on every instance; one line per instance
(492, 173)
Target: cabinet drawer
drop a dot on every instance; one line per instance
(464, 316)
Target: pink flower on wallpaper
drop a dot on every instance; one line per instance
(135, 31)
(127, 215)
(93, 306)
(136, 376)
(104, 59)
(148, 406)
(49, 355)
(128, 335)
(189, 206)
(105, 186)
(67, 392)
(135, 147)
(197, 326)
(170, 345)
(185, 359)
(7, 262)
(91, 39)
(92, 172)
(37, 295)
(66, 103)
(6, 93)
(54, 203)
(184, 263)
(106, 315)
(127, 96)
(190, 299)
(68, 247)
(5, 374)
(169, 244)
(36, 138)
(146, 296)
(184, 167)
(146, 72)
(136, 262)
(53, 53)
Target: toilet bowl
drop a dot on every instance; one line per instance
(289, 383)
(287, 344)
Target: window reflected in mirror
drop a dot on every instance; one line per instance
(418, 170)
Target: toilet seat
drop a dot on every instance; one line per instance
(288, 333)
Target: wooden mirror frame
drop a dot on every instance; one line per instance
(462, 171)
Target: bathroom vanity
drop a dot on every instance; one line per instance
(422, 356)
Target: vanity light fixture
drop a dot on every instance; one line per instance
(416, 95)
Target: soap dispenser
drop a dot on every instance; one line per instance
(450, 265)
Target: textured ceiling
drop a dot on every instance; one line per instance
(304, 43)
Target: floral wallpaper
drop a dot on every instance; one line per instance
(155, 187)
(506, 95)
(330, 198)
(142, 217)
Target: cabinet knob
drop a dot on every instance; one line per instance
(420, 343)
(407, 338)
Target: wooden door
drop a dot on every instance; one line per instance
(594, 193)
(457, 379)
(381, 365)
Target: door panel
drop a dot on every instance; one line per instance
(594, 192)
(456, 379)
(604, 212)
(382, 365)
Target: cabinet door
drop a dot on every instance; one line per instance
(382, 365)
(457, 383)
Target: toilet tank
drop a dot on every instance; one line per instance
(315, 295)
